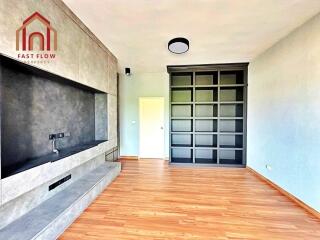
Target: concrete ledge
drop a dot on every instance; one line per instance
(52, 217)
(21, 183)
(16, 208)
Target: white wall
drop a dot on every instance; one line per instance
(284, 113)
(131, 88)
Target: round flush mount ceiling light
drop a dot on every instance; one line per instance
(178, 45)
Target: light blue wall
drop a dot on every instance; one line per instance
(131, 88)
(284, 113)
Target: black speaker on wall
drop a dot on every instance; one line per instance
(128, 71)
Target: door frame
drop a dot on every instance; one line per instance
(139, 127)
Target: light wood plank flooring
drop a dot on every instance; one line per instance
(152, 200)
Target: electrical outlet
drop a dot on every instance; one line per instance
(60, 135)
(268, 167)
(52, 136)
(56, 135)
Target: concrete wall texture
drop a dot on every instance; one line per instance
(283, 113)
(34, 107)
(80, 56)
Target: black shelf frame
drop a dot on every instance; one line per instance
(216, 108)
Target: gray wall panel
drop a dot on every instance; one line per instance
(33, 107)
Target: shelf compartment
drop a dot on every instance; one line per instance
(181, 110)
(231, 110)
(205, 140)
(202, 125)
(231, 141)
(181, 140)
(228, 94)
(206, 110)
(181, 95)
(231, 126)
(206, 78)
(231, 77)
(181, 155)
(181, 79)
(206, 94)
(230, 157)
(181, 125)
(206, 156)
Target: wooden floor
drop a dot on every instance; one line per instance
(152, 200)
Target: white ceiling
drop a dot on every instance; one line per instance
(219, 31)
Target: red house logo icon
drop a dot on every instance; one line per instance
(28, 38)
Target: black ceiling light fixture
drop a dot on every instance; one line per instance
(178, 45)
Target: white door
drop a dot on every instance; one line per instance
(151, 124)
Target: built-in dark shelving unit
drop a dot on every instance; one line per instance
(208, 114)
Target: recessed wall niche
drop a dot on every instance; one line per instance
(36, 103)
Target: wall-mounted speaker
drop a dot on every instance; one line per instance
(128, 71)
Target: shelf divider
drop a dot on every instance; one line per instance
(218, 124)
(193, 116)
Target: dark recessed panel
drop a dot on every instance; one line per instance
(58, 183)
(35, 106)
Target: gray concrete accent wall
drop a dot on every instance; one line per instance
(60, 224)
(14, 209)
(49, 219)
(80, 55)
(34, 107)
(16, 185)
(112, 118)
(101, 116)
